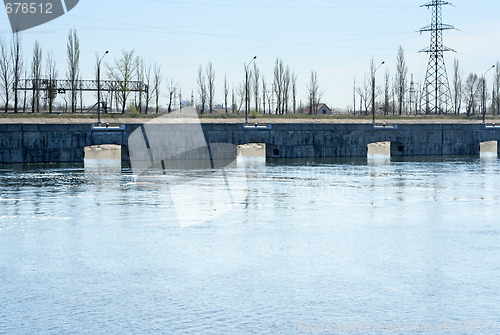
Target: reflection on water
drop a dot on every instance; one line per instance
(93, 166)
(84, 248)
(379, 159)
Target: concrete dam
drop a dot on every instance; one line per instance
(42, 143)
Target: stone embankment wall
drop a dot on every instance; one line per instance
(37, 143)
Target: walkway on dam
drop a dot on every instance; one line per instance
(231, 120)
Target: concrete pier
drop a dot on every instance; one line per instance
(40, 143)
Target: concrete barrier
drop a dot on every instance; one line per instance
(33, 143)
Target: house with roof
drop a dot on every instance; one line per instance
(323, 109)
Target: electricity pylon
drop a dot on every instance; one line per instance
(436, 90)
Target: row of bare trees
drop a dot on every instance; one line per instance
(396, 96)
(41, 75)
(14, 72)
(254, 92)
(473, 92)
(400, 96)
(11, 69)
(131, 68)
(206, 87)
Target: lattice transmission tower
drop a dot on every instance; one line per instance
(436, 90)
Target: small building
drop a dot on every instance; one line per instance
(323, 109)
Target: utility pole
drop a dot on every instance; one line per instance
(180, 99)
(99, 89)
(247, 90)
(373, 92)
(412, 93)
(437, 88)
(483, 79)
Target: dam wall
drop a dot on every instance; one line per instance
(42, 143)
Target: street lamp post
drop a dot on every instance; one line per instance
(417, 100)
(246, 90)
(373, 92)
(484, 94)
(99, 89)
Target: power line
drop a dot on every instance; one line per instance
(477, 13)
(215, 4)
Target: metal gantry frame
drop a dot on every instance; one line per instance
(436, 90)
(61, 86)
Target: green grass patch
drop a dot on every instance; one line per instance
(132, 115)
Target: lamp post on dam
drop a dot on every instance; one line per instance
(247, 98)
(373, 92)
(483, 79)
(99, 88)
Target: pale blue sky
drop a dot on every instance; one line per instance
(335, 38)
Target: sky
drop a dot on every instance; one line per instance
(337, 39)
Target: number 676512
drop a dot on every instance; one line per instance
(28, 8)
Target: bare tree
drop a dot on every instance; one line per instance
(52, 76)
(360, 92)
(5, 72)
(25, 92)
(483, 94)
(496, 90)
(264, 94)
(210, 86)
(287, 79)
(148, 81)
(279, 71)
(202, 89)
(242, 94)
(172, 89)
(36, 73)
(73, 53)
(256, 85)
(157, 86)
(365, 94)
(457, 87)
(394, 95)
(17, 68)
(123, 72)
(294, 92)
(248, 87)
(471, 93)
(270, 98)
(354, 97)
(314, 94)
(401, 79)
(140, 74)
(233, 101)
(226, 92)
(387, 90)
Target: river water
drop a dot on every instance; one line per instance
(308, 247)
